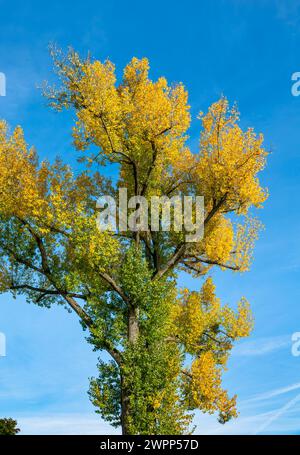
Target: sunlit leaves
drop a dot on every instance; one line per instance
(207, 331)
(52, 251)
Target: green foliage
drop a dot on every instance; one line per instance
(168, 349)
(152, 375)
(8, 427)
(105, 392)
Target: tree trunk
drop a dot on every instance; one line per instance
(124, 407)
(133, 325)
(133, 334)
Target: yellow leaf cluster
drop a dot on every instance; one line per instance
(19, 187)
(230, 160)
(206, 390)
(200, 314)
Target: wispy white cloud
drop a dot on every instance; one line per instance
(277, 414)
(208, 425)
(65, 424)
(261, 346)
(273, 416)
(276, 392)
(281, 420)
(262, 423)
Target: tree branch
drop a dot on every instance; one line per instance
(45, 291)
(40, 244)
(114, 285)
(181, 249)
(151, 167)
(179, 252)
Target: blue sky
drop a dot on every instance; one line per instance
(246, 50)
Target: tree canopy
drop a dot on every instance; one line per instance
(8, 427)
(168, 346)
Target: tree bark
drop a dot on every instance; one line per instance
(133, 334)
(124, 407)
(133, 324)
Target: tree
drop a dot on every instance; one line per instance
(168, 347)
(8, 427)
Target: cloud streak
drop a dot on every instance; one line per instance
(275, 393)
(261, 346)
(64, 424)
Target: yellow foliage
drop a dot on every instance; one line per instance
(230, 160)
(56, 250)
(218, 242)
(200, 314)
(206, 390)
(48, 200)
(19, 190)
(207, 330)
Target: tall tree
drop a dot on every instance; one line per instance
(168, 347)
